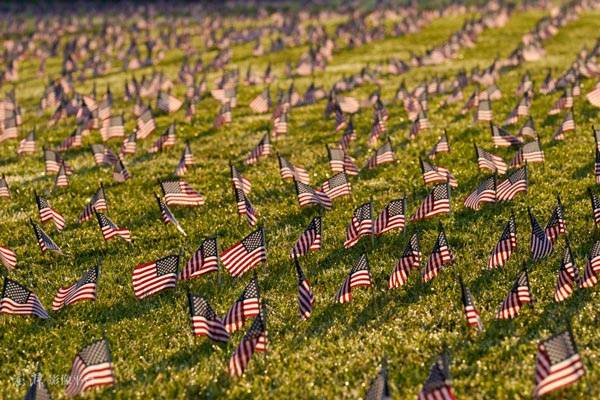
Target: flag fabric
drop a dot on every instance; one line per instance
(337, 186)
(505, 246)
(441, 257)
(436, 203)
(519, 294)
(484, 193)
(91, 368)
(306, 298)
(597, 167)
(18, 300)
(110, 230)
(205, 322)
(204, 260)
(434, 174)
(186, 160)
(167, 139)
(238, 181)
(255, 340)
(359, 276)
(244, 308)
(393, 216)
(486, 160)
(568, 275)
(44, 241)
(596, 134)
(27, 145)
(541, 245)
(557, 364)
(567, 125)
(52, 162)
(262, 150)
(594, 96)
(438, 385)
(339, 161)
(8, 258)
(180, 193)
(348, 136)
(442, 146)
(556, 225)
(145, 124)
(528, 153)
(383, 155)
(595, 207)
(592, 266)
(246, 254)
(471, 313)
(379, 389)
(514, 184)
(289, 171)
(307, 196)
(47, 213)
(129, 145)
(502, 138)
(360, 225)
(120, 172)
(61, 180)
(411, 259)
(528, 129)
(168, 103)
(167, 216)
(83, 289)
(97, 202)
(103, 155)
(155, 276)
(310, 240)
(261, 103)
(245, 207)
(484, 111)
(38, 389)
(112, 127)
(4, 188)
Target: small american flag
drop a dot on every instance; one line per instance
(528, 153)
(434, 174)
(167, 139)
(244, 308)
(168, 103)
(129, 145)
(597, 167)
(595, 207)
(290, 171)
(97, 202)
(391, 217)
(361, 224)
(155, 276)
(568, 275)
(502, 138)
(442, 146)
(18, 300)
(4, 188)
(484, 111)
(47, 213)
(349, 105)
(179, 192)
(91, 368)
(103, 155)
(528, 129)
(473, 317)
(557, 364)
(339, 161)
(310, 240)
(556, 225)
(205, 322)
(255, 340)
(436, 203)
(379, 389)
(505, 246)
(306, 298)
(441, 257)
(38, 389)
(262, 149)
(186, 160)
(485, 193)
(337, 186)
(72, 141)
(262, 102)
(383, 155)
(112, 127)
(44, 241)
(83, 289)
(411, 259)
(590, 274)
(307, 195)
(594, 96)
(245, 207)
(541, 245)
(348, 136)
(204, 260)
(486, 160)
(246, 254)
(567, 125)
(519, 294)
(359, 276)
(512, 185)
(27, 145)
(61, 180)
(120, 172)
(110, 230)
(438, 385)
(8, 258)
(145, 124)
(238, 181)
(167, 216)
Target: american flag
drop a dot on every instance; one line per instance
(112, 127)
(61, 180)
(516, 183)
(307, 195)
(180, 193)
(528, 129)
(83, 289)
(238, 181)
(129, 145)
(168, 103)
(155, 276)
(306, 298)
(473, 317)
(596, 134)
(568, 275)
(556, 224)
(53, 161)
(594, 96)
(245, 307)
(186, 160)
(27, 145)
(337, 186)
(262, 149)
(38, 389)
(434, 174)
(8, 258)
(4, 189)
(9, 129)
(310, 240)
(595, 207)
(411, 259)
(442, 146)
(502, 138)
(438, 385)
(339, 161)
(167, 216)
(361, 224)
(280, 125)
(341, 120)
(441, 257)
(567, 125)
(437, 202)
(110, 230)
(484, 111)
(485, 193)
(97, 202)
(245, 207)
(224, 116)
(18, 300)
(103, 155)
(262, 102)
(564, 102)
(91, 368)
(167, 139)
(541, 245)
(528, 153)
(204, 260)
(590, 274)
(47, 213)
(391, 217)
(145, 124)
(290, 171)
(120, 172)
(348, 136)
(379, 389)
(597, 167)
(72, 141)
(557, 364)
(359, 276)
(255, 340)
(205, 322)
(420, 123)
(505, 246)
(349, 105)
(383, 155)
(519, 294)
(44, 241)
(245, 254)
(486, 160)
